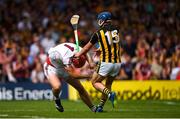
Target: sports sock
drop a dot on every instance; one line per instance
(56, 97)
(106, 91)
(102, 102)
(56, 94)
(93, 108)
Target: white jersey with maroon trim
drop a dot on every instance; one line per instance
(60, 55)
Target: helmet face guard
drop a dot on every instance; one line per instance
(100, 22)
(103, 17)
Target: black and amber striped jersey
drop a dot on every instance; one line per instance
(109, 41)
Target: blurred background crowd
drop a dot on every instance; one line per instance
(149, 31)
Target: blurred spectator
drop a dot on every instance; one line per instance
(34, 48)
(147, 28)
(162, 57)
(142, 70)
(47, 42)
(20, 69)
(37, 74)
(175, 73)
(156, 67)
(129, 46)
(5, 60)
(142, 49)
(126, 72)
(25, 23)
(168, 45)
(167, 66)
(157, 46)
(176, 56)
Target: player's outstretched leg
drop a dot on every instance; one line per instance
(112, 98)
(55, 83)
(104, 97)
(58, 105)
(82, 93)
(102, 102)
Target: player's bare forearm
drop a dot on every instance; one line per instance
(79, 76)
(90, 61)
(75, 74)
(82, 76)
(84, 50)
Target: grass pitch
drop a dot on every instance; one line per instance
(126, 109)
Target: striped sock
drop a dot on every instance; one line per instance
(102, 102)
(93, 108)
(106, 91)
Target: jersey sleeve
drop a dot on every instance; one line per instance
(94, 38)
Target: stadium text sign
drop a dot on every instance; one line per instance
(27, 91)
(137, 90)
(19, 93)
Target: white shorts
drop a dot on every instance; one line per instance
(60, 73)
(108, 69)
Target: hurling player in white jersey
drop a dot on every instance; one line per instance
(60, 65)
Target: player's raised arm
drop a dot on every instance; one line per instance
(84, 50)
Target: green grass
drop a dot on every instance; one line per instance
(46, 109)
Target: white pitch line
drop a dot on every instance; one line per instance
(170, 103)
(77, 110)
(3, 115)
(165, 102)
(18, 110)
(147, 110)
